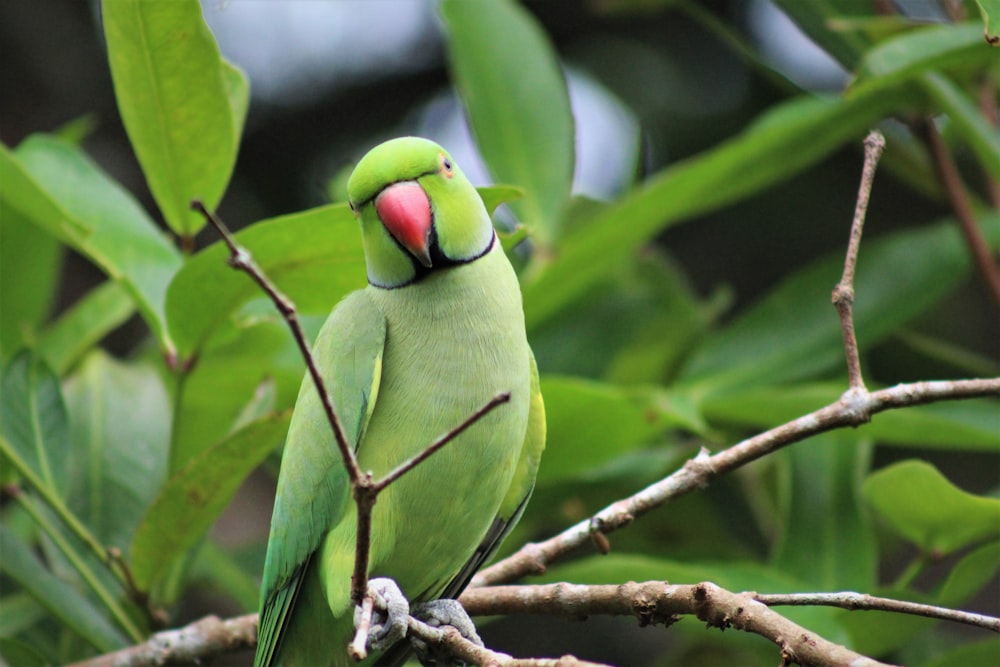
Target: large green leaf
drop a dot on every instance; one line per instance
(921, 50)
(97, 313)
(982, 653)
(30, 260)
(24, 194)
(228, 374)
(120, 430)
(103, 222)
(920, 504)
(508, 76)
(827, 540)
(590, 423)
(989, 10)
(33, 421)
(793, 332)
(777, 146)
(63, 601)
(315, 257)
(970, 424)
(181, 103)
(192, 499)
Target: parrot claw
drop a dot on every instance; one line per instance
(389, 626)
(438, 613)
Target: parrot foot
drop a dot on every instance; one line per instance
(389, 626)
(438, 613)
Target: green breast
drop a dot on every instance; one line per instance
(454, 340)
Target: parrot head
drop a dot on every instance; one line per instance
(418, 212)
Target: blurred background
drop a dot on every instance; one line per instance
(649, 86)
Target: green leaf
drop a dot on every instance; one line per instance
(970, 575)
(633, 328)
(24, 194)
(588, 424)
(96, 314)
(793, 332)
(920, 504)
(192, 499)
(18, 611)
(181, 103)
(106, 225)
(983, 653)
(989, 10)
(21, 654)
(508, 76)
(33, 420)
(495, 195)
(920, 50)
(315, 257)
(30, 261)
(120, 429)
(967, 119)
(823, 511)
(62, 601)
(225, 380)
(777, 146)
(970, 424)
(217, 569)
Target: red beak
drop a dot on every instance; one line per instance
(405, 211)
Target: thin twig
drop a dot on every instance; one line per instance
(843, 293)
(407, 466)
(862, 601)
(359, 646)
(366, 494)
(853, 409)
(241, 259)
(958, 198)
(193, 644)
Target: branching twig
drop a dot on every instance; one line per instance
(659, 602)
(853, 409)
(651, 602)
(862, 601)
(843, 293)
(241, 259)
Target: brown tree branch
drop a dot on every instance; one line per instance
(193, 644)
(853, 409)
(660, 602)
(651, 603)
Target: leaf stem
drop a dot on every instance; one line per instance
(76, 560)
(46, 493)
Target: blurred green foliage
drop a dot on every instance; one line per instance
(142, 454)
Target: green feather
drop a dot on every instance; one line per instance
(405, 362)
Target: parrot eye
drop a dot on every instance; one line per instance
(446, 167)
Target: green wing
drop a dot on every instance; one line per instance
(313, 487)
(517, 496)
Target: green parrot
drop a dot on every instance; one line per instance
(438, 332)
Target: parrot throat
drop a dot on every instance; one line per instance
(439, 261)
